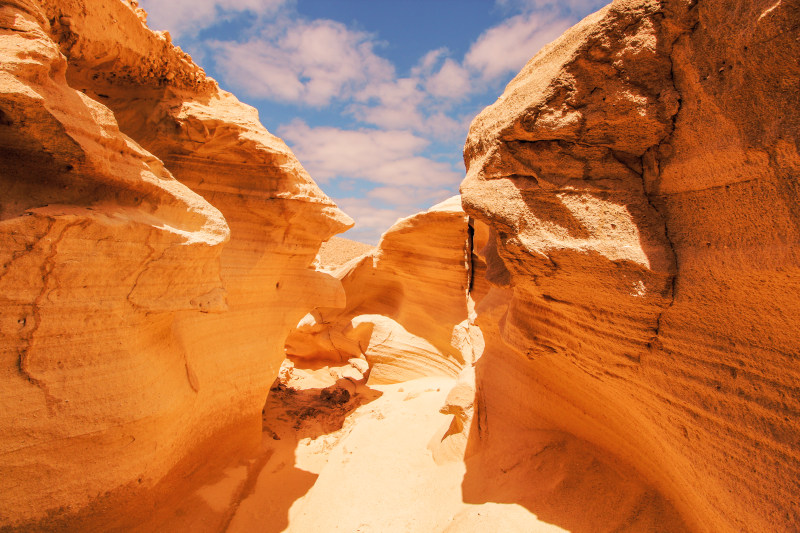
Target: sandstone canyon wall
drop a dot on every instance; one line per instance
(407, 302)
(614, 298)
(155, 245)
(640, 181)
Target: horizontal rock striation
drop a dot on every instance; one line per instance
(639, 178)
(337, 251)
(155, 249)
(407, 304)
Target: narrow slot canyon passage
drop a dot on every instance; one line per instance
(408, 449)
(367, 456)
(595, 333)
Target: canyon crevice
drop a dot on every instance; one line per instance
(598, 334)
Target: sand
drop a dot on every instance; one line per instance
(363, 462)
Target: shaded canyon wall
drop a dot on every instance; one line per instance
(640, 179)
(617, 297)
(155, 245)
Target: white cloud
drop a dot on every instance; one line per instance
(409, 196)
(505, 48)
(427, 63)
(419, 103)
(446, 128)
(397, 180)
(371, 220)
(310, 63)
(372, 216)
(574, 7)
(452, 81)
(190, 16)
(389, 157)
(409, 116)
(391, 104)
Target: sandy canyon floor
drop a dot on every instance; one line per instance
(363, 458)
(338, 457)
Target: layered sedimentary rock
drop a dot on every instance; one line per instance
(640, 180)
(634, 271)
(407, 302)
(143, 316)
(337, 251)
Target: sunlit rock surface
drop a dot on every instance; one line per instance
(337, 251)
(407, 304)
(639, 177)
(155, 245)
(603, 338)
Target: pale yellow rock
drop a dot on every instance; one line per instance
(142, 323)
(450, 442)
(407, 302)
(395, 355)
(337, 251)
(359, 364)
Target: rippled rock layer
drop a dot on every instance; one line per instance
(640, 179)
(155, 245)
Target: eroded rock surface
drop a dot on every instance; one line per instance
(407, 302)
(639, 178)
(337, 251)
(143, 316)
(602, 339)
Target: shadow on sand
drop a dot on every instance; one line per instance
(517, 458)
(290, 416)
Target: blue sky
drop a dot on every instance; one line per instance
(374, 96)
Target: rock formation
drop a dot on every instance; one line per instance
(155, 245)
(598, 335)
(639, 178)
(406, 308)
(337, 251)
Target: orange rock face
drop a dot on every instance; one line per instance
(639, 178)
(391, 317)
(155, 245)
(603, 337)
